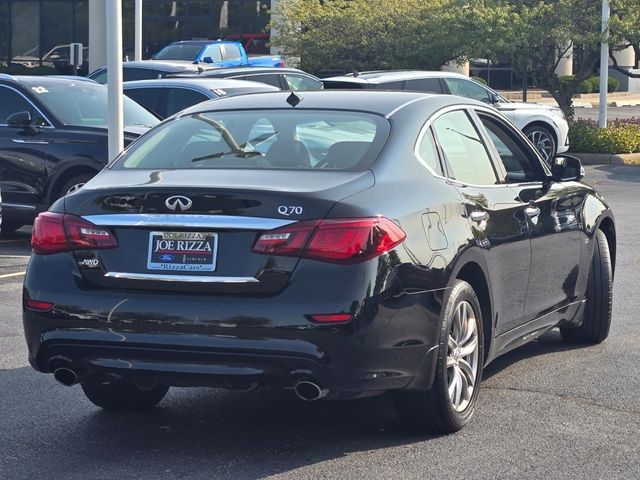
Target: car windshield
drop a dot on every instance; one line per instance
(85, 104)
(262, 139)
(178, 52)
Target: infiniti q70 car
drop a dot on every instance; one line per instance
(336, 244)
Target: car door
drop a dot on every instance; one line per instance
(553, 213)
(494, 212)
(22, 153)
(232, 55)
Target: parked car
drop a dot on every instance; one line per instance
(149, 69)
(221, 53)
(53, 138)
(544, 125)
(384, 241)
(170, 95)
(283, 78)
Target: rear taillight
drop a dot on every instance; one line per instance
(57, 232)
(335, 240)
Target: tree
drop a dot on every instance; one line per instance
(372, 34)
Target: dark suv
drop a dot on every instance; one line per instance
(53, 139)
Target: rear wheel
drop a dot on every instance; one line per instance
(597, 311)
(124, 394)
(449, 404)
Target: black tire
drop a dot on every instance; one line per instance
(596, 321)
(432, 410)
(124, 395)
(79, 179)
(536, 133)
(9, 227)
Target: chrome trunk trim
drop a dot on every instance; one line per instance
(185, 221)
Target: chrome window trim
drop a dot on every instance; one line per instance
(450, 108)
(180, 278)
(32, 104)
(161, 220)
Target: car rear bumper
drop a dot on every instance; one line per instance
(187, 339)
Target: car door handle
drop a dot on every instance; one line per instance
(532, 211)
(479, 216)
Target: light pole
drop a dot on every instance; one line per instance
(138, 31)
(114, 77)
(604, 64)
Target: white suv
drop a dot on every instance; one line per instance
(544, 125)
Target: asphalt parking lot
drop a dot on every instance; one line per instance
(546, 410)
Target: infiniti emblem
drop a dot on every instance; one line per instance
(178, 203)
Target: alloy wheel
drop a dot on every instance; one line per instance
(462, 356)
(542, 142)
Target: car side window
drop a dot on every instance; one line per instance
(465, 153)
(12, 102)
(232, 51)
(180, 98)
(520, 164)
(147, 97)
(428, 153)
(391, 85)
(468, 89)
(269, 79)
(214, 52)
(131, 74)
(429, 85)
(301, 82)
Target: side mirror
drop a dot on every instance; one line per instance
(207, 60)
(494, 98)
(19, 120)
(567, 169)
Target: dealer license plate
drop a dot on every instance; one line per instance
(183, 251)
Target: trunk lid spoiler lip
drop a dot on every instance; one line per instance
(163, 220)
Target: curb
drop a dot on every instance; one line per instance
(607, 158)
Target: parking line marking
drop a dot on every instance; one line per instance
(7, 275)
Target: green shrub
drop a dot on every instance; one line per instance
(612, 84)
(480, 80)
(619, 137)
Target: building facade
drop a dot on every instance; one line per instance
(32, 30)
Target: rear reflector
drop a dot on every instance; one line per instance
(350, 240)
(57, 232)
(39, 305)
(331, 318)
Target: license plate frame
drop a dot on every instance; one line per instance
(193, 260)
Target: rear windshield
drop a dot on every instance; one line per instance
(178, 52)
(262, 139)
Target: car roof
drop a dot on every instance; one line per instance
(380, 102)
(200, 84)
(31, 80)
(376, 77)
(200, 42)
(231, 71)
(165, 65)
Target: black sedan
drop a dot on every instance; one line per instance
(338, 244)
(53, 138)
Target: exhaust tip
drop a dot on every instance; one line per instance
(309, 391)
(65, 376)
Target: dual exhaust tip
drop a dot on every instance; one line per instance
(309, 391)
(306, 390)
